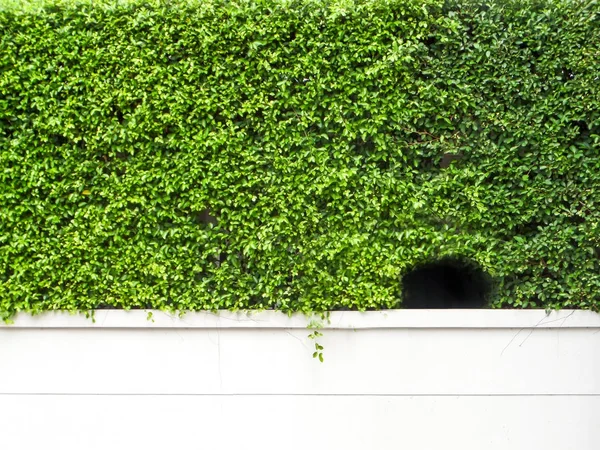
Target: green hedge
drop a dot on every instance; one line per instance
(298, 155)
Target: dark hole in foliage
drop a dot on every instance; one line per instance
(582, 125)
(448, 158)
(430, 41)
(135, 104)
(364, 146)
(583, 131)
(567, 74)
(447, 283)
(6, 128)
(533, 226)
(577, 219)
(8, 273)
(58, 139)
(119, 115)
(205, 217)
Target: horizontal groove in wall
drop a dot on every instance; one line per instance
(87, 394)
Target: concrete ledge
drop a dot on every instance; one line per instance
(389, 319)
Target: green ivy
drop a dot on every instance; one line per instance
(298, 155)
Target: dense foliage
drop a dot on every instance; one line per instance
(299, 155)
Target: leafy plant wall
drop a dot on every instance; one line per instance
(299, 155)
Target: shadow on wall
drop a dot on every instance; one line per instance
(447, 283)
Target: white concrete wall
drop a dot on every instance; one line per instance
(468, 380)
